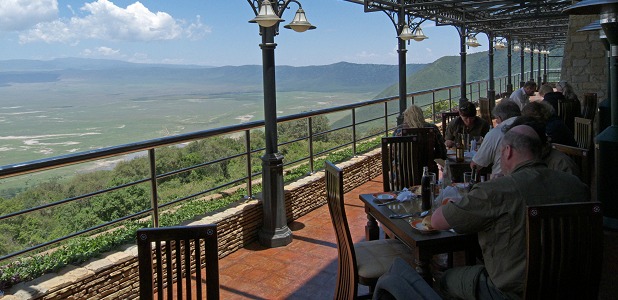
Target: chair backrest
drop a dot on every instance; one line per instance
(485, 110)
(402, 163)
(427, 139)
(582, 158)
(566, 112)
(590, 106)
(583, 132)
(347, 272)
(171, 261)
(564, 251)
(447, 117)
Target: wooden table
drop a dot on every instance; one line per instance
(426, 245)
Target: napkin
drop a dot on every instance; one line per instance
(448, 192)
(405, 195)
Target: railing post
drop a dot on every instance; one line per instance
(354, 131)
(450, 99)
(433, 106)
(249, 166)
(153, 189)
(386, 119)
(310, 129)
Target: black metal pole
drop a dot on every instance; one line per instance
(401, 50)
(545, 78)
(274, 231)
(491, 92)
(521, 67)
(462, 54)
(538, 64)
(509, 57)
(531, 65)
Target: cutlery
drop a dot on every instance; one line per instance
(419, 214)
(387, 203)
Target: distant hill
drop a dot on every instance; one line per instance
(445, 71)
(337, 77)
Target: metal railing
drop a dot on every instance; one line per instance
(357, 127)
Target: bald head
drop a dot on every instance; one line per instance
(520, 144)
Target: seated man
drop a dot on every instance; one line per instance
(556, 130)
(495, 210)
(551, 97)
(522, 96)
(467, 122)
(505, 112)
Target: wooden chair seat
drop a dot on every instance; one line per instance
(172, 259)
(564, 251)
(363, 262)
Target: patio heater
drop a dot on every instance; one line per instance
(274, 231)
(608, 139)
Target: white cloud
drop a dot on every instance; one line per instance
(101, 51)
(23, 14)
(106, 21)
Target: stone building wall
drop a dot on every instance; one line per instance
(584, 64)
(114, 275)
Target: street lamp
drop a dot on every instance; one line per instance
(274, 231)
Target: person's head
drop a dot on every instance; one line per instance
(413, 117)
(520, 144)
(545, 89)
(538, 109)
(506, 110)
(529, 87)
(566, 89)
(467, 113)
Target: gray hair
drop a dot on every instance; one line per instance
(545, 89)
(506, 110)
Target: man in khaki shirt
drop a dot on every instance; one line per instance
(495, 210)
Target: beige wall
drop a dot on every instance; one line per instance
(584, 64)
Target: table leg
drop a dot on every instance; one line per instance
(422, 267)
(372, 230)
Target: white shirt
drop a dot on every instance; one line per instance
(520, 97)
(489, 150)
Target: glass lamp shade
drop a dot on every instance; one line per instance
(418, 34)
(527, 49)
(406, 33)
(536, 51)
(267, 16)
(500, 46)
(472, 42)
(516, 47)
(300, 23)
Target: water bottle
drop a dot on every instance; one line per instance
(426, 190)
(446, 175)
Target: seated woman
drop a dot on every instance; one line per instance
(467, 122)
(413, 118)
(556, 130)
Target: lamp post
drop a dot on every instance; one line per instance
(274, 231)
(522, 74)
(491, 91)
(538, 64)
(608, 138)
(509, 57)
(465, 39)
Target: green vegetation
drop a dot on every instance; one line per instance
(45, 225)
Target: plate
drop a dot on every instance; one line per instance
(383, 197)
(418, 225)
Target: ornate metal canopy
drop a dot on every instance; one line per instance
(539, 22)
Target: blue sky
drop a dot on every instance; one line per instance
(207, 32)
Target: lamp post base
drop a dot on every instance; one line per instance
(274, 231)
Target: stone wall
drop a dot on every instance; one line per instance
(584, 64)
(114, 275)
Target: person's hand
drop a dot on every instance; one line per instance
(449, 143)
(473, 165)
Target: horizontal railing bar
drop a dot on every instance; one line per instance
(168, 174)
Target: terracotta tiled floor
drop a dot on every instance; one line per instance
(306, 268)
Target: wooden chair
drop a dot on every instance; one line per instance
(171, 260)
(485, 110)
(447, 117)
(567, 112)
(427, 139)
(363, 262)
(583, 132)
(582, 157)
(590, 104)
(402, 162)
(564, 251)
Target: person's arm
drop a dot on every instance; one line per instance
(438, 221)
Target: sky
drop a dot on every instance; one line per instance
(208, 32)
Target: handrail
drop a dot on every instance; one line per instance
(149, 146)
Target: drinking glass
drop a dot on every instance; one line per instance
(467, 178)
